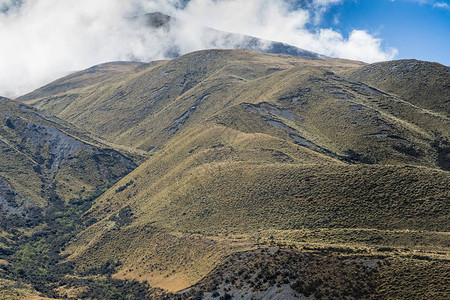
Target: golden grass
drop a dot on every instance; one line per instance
(12, 290)
(172, 261)
(424, 84)
(247, 149)
(206, 185)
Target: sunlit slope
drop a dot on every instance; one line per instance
(43, 157)
(194, 196)
(249, 148)
(100, 74)
(148, 90)
(421, 83)
(217, 176)
(303, 100)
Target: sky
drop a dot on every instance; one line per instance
(417, 29)
(42, 40)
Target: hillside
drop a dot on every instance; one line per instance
(240, 189)
(320, 184)
(301, 99)
(43, 155)
(50, 171)
(93, 76)
(421, 83)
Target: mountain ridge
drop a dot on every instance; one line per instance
(260, 175)
(424, 84)
(221, 39)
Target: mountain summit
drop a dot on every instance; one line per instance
(221, 39)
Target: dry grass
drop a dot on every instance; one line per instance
(424, 84)
(11, 290)
(172, 261)
(253, 150)
(325, 274)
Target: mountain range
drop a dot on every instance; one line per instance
(227, 174)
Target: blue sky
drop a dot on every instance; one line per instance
(417, 29)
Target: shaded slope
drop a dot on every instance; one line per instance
(50, 172)
(44, 156)
(421, 83)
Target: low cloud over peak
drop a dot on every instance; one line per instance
(44, 39)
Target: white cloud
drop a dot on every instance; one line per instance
(436, 4)
(46, 39)
(326, 2)
(360, 45)
(443, 5)
(273, 20)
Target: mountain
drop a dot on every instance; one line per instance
(421, 83)
(260, 175)
(50, 171)
(218, 39)
(304, 100)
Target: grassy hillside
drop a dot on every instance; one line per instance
(421, 83)
(99, 74)
(300, 99)
(218, 190)
(42, 156)
(144, 92)
(248, 155)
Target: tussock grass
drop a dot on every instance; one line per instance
(249, 150)
(42, 156)
(12, 290)
(224, 183)
(327, 275)
(424, 84)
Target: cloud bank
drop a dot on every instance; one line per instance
(42, 40)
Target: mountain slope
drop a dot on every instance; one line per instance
(301, 99)
(218, 191)
(41, 155)
(96, 75)
(270, 161)
(50, 172)
(421, 83)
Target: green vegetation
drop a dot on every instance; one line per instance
(50, 173)
(325, 273)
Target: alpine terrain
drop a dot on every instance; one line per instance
(229, 174)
